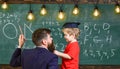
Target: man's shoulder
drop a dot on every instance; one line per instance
(25, 50)
(52, 55)
(38, 51)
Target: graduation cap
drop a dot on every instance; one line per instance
(71, 25)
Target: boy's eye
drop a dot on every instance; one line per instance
(65, 34)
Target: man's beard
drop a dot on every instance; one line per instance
(51, 47)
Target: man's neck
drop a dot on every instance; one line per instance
(42, 46)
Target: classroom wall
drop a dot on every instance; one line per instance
(81, 67)
(92, 56)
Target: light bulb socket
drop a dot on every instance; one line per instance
(96, 7)
(30, 11)
(60, 10)
(76, 6)
(117, 4)
(43, 6)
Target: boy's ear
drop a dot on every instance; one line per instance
(73, 35)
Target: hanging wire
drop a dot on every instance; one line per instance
(30, 7)
(76, 1)
(116, 1)
(61, 6)
(96, 2)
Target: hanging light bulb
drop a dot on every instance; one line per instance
(30, 15)
(117, 8)
(4, 5)
(96, 11)
(75, 10)
(43, 10)
(61, 14)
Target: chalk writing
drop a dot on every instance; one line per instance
(99, 54)
(7, 35)
(93, 33)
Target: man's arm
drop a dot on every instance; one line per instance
(16, 58)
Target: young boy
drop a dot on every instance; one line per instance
(70, 57)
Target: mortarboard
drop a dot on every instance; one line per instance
(71, 25)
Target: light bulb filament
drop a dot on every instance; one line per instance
(96, 12)
(61, 15)
(43, 10)
(4, 5)
(76, 10)
(117, 9)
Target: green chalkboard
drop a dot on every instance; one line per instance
(99, 38)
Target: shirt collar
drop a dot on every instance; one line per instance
(42, 47)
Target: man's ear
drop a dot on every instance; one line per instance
(44, 42)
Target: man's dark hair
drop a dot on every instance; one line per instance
(39, 34)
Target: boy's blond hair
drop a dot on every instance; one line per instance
(72, 31)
